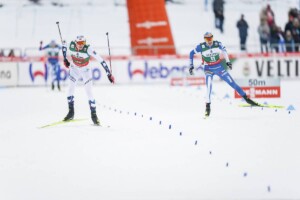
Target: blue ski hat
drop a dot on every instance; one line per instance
(52, 43)
(208, 35)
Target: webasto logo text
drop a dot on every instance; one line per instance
(158, 71)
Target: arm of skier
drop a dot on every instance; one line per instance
(226, 57)
(41, 46)
(95, 55)
(64, 51)
(192, 53)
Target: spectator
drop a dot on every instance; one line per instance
(264, 36)
(274, 37)
(37, 2)
(205, 5)
(268, 14)
(171, 1)
(218, 7)
(289, 24)
(11, 53)
(289, 42)
(2, 53)
(242, 25)
(281, 40)
(296, 33)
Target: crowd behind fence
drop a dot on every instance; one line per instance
(123, 51)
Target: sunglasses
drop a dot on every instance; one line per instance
(80, 43)
(208, 39)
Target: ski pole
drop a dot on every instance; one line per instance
(64, 49)
(109, 52)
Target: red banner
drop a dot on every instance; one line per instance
(150, 30)
(261, 92)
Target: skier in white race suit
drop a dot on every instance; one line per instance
(78, 66)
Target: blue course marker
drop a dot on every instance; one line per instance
(170, 126)
(290, 107)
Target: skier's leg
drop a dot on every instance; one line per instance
(88, 83)
(229, 80)
(224, 75)
(73, 75)
(58, 75)
(51, 70)
(209, 79)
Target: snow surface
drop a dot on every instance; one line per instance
(137, 158)
(238, 153)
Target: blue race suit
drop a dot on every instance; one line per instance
(212, 65)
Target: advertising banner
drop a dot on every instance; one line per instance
(283, 67)
(8, 74)
(39, 74)
(259, 88)
(152, 70)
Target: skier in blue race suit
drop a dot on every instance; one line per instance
(211, 51)
(53, 62)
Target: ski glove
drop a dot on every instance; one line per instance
(191, 69)
(64, 50)
(66, 63)
(111, 78)
(229, 65)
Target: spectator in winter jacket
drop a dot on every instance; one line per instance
(289, 42)
(296, 33)
(242, 25)
(264, 36)
(268, 14)
(281, 40)
(274, 37)
(289, 24)
(218, 8)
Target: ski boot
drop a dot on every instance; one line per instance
(93, 112)
(250, 101)
(58, 86)
(52, 86)
(95, 119)
(207, 110)
(70, 114)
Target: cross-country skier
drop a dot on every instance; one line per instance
(81, 53)
(52, 61)
(210, 51)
